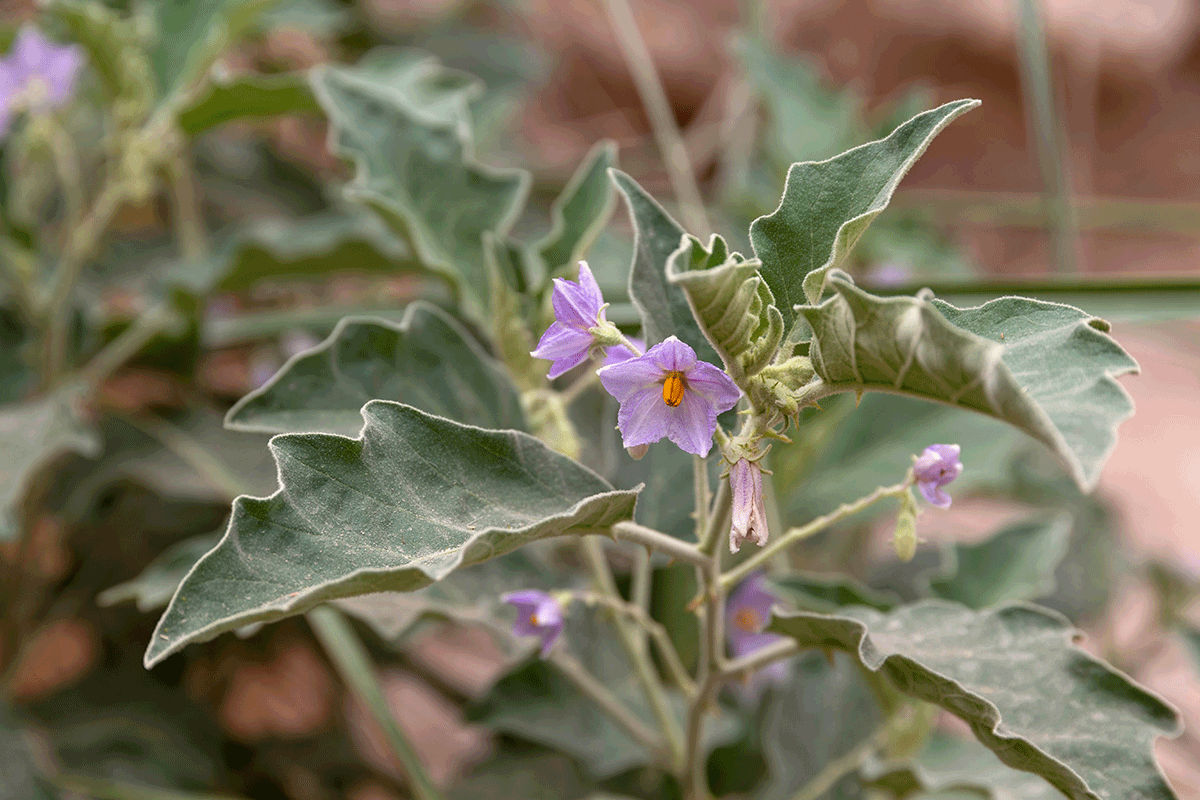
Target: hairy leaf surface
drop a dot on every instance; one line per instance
(581, 211)
(427, 361)
(404, 505)
(1016, 563)
(827, 206)
(1014, 675)
(1048, 369)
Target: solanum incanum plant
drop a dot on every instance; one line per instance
(600, 462)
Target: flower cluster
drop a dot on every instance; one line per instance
(36, 75)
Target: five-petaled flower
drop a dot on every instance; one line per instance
(668, 392)
(36, 75)
(538, 614)
(578, 307)
(746, 614)
(749, 514)
(934, 468)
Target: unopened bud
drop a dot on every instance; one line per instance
(905, 536)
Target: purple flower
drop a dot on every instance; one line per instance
(538, 614)
(667, 392)
(37, 74)
(578, 307)
(746, 614)
(749, 516)
(619, 352)
(934, 468)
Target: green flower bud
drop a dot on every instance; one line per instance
(905, 536)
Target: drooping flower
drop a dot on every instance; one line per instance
(746, 614)
(619, 352)
(538, 614)
(749, 514)
(668, 392)
(36, 75)
(578, 307)
(937, 466)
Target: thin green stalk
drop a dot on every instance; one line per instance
(353, 663)
(662, 640)
(712, 656)
(83, 240)
(206, 463)
(839, 768)
(127, 344)
(1052, 151)
(599, 694)
(718, 518)
(701, 494)
(787, 540)
(761, 658)
(597, 564)
(662, 118)
(189, 220)
(657, 540)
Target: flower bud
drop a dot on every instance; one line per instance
(905, 536)
(749, 514)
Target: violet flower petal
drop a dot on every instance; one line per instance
(937, 466)
(538, 614)
(619, 353)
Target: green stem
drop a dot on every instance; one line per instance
(200, 458)
(127, 344)
(597, 564)
(662, 118)
(599, 694)
(662, 640)
(657, 540)
(787, 540)
(839, 768)
(761, 658)
(189, 221)
(353, 663)
(701, 494)
(712, 657)
(79, 247)
(718, 518)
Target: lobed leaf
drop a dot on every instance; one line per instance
(828, 205)
(1014, 675)
(411, 145)
(412, 499)
(427, 361)
(663, 306)
(1048, 369)
(950, 767)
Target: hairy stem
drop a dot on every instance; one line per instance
(353, 663)
(597, 564)
(127, 344)
(662, 640)
(837, 769)
(787, 540)
(657, 540)
(662, 118)
(185, 200)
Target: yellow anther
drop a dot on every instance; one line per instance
(747, 620)
(673, 389)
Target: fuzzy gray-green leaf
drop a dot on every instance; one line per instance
(404, 505)
(427, 361)
(1017, 563)
(582, 209)
(1045, 368)
(410, 141)
(827, 205)
(1014, 675)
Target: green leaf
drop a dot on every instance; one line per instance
(1017, 563)
(536, 702)
(663, 306)
(821, 713)
(248, 96)
(404, 505)
(1049, 370)
(427, 361)
(516, 773)
(412, 150)
(581, 211)
(1014, 675)
(949, 765)
(827, 593)
(192, 34)
(827, 205)
(31, 435)
(153, 588)
(735, 308)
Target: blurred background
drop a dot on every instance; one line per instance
(1078, 180)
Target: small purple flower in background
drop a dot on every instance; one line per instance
(937, 466)
(36, 75)
(746, 614)
(578, 307)
(538, 614)
(749, 514)
(619, 352)
(668, 392)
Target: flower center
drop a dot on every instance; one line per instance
(747, 620)
(673, 388)
(534, 621)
